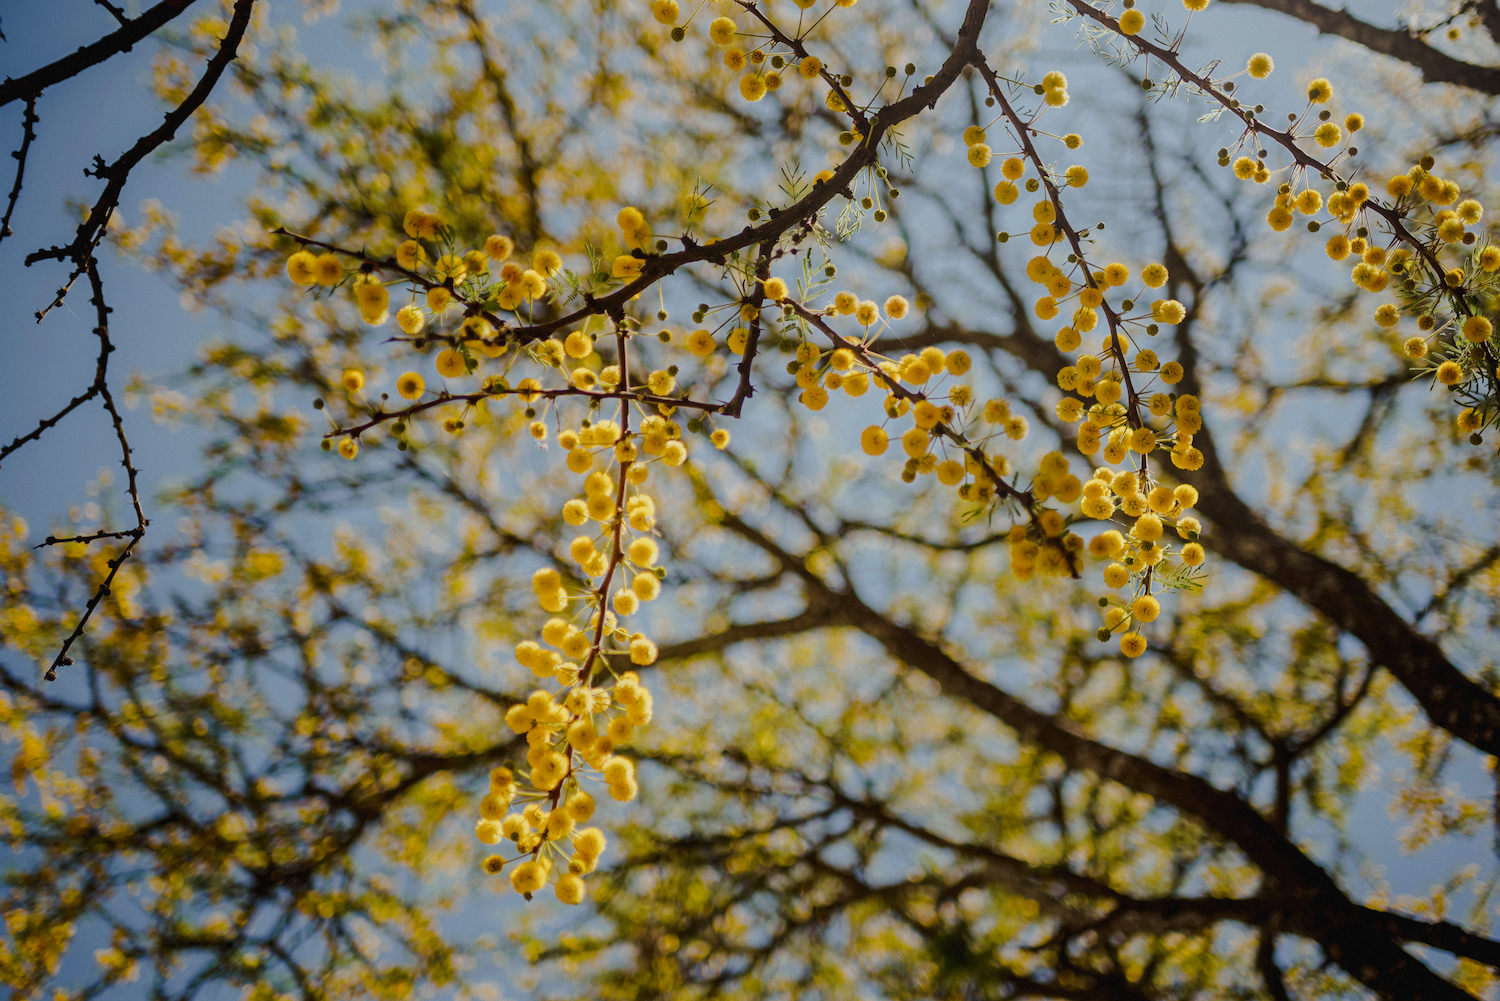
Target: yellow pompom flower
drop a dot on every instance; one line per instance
(642, 651)
(1145, 608)
(1260, 65)
(1148, 528)
(410, 319)
(1131, 645)
(409, 385)
(1168, 311)
(721, 31)
(1320, 91)
(874, 440)
(353, 380)
(979, 155)
(301, 268)
(1132, 21)
(570, 888)
(450, 363)
(1450, 373)
(533, 285)
(665, 11)
(528, 877)
(1477, 329)
(328, 269)
(752, 87)
(498, 248)
(348, 448)
(589, 843)
(1154, 275)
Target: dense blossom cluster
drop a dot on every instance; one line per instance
(498, 328)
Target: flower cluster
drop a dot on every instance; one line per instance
(494, 319)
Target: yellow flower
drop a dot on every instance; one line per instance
(1168, 311)
(498, 248)
(700, 342)
(328, 269)
(410, 319)
(1145, 609)
(409, 385)
(373, 301)
(301, 268)
(528, 877)
(721, 31)
(570, 888)
(1260, 65)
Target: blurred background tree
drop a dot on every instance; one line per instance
(883, 765)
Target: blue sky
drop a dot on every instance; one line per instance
(44, 365)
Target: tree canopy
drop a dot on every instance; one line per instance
(767, 498)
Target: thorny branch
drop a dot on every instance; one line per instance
(81, 252)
